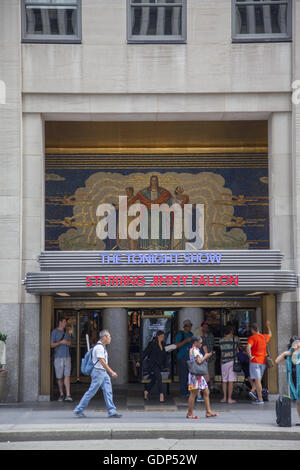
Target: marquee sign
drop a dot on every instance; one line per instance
(204, 271)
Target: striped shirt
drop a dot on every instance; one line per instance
(228, 347)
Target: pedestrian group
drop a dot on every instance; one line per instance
(196, 362)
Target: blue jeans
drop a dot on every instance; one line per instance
(100, 379)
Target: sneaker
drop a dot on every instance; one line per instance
(69, 398)
(252, 395)
(200, 399)
(116, 415)
(61, 398)
(258, 402)
(80, 414)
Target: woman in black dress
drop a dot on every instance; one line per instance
(157, 357)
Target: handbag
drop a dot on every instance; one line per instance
(237, 367)
(269, 360)
(197, 369)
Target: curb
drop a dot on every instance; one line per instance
(24, 436)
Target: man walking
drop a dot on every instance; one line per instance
(61, 341)
(100, 376)
(182, 341)
(257, 352)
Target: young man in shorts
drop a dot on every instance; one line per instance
(257, 352)
(61, 341)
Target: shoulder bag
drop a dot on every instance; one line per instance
(269, 360)
(237, 367)
(197, 369)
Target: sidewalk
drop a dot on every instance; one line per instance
(56, 421)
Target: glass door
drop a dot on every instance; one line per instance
(80, 325)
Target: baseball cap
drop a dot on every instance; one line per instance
(187, 322)
(204, 323)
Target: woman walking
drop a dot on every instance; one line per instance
(198, 382)
(292, 357)
(157, 356)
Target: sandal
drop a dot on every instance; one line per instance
(192, 416)
(211, 415)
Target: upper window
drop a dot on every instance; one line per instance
(261, 20)
(51, 21)
(161, 21)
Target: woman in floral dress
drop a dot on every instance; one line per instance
(198, 382)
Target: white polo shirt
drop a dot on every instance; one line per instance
(99, 352)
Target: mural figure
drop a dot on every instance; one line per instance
(154, 194)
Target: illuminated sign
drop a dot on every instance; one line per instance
(160, 280)
(161, 258)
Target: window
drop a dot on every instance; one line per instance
(261, 20)
(51, 21)
(160, 21)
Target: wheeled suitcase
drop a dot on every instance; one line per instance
(284, 411)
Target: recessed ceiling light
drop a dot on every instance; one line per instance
(216, 293)
(178, 293)
(102, 294)
(63, 294)
(256, 293)
(140, 293)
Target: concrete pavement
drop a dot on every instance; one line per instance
(56, 421)
(153, 444)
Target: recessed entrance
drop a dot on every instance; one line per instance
(142, 324)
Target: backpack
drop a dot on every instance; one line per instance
(87, 364)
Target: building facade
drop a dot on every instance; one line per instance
(101, 99)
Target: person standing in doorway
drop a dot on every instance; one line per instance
(257, 352)
(209, 342)
(182, 341)
(100, 376)
(61, 342)
(228, 347)
(157, 356)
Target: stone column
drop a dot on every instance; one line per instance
(282, 220)
(32, 245)
(296, 141)
(10, 190)
(116, 321)
(195, 314)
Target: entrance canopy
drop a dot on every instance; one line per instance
(200, 271)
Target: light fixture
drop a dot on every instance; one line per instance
(102, 294)
(216, 293)
(140, 294)
(178, 293)
(63, 294)
(256, 293)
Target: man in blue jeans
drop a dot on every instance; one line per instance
(100, 378)
(183, 343)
